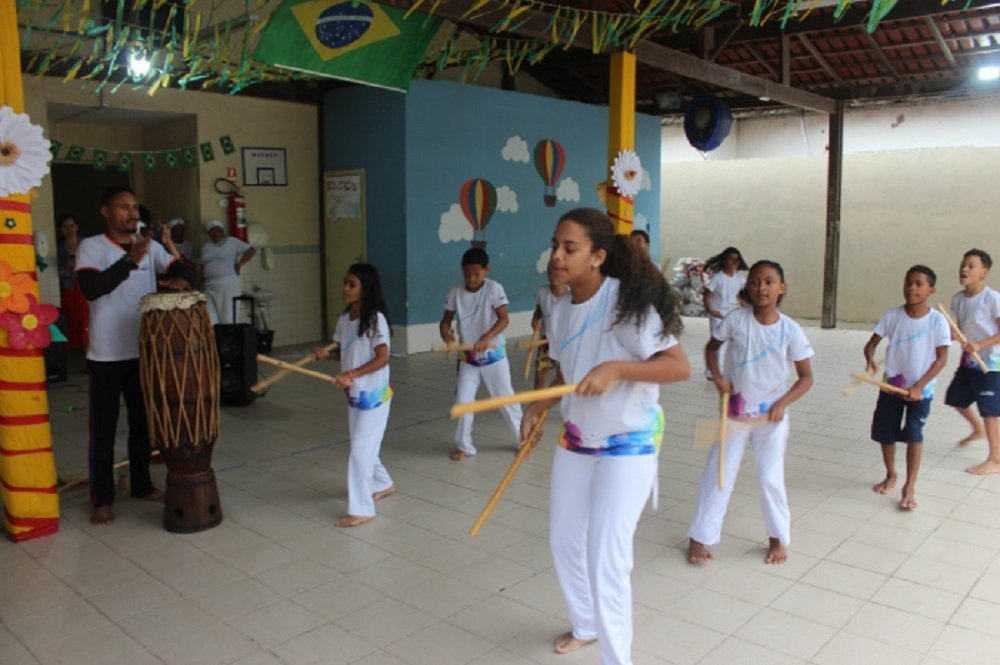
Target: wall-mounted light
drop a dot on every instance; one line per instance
(138, 64)
(989, 73)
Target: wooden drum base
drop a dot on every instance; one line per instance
(191, 503)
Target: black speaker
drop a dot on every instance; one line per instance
(237, 344)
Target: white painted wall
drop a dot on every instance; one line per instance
(918, 188)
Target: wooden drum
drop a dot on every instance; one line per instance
(179, 371)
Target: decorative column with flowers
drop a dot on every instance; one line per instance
(27, 467)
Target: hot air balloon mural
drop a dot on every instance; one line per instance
(478, 198)
(550, 158)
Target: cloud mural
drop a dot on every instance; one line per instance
(454, 226)
(640, 222)
(568, 190)
(516, 150)
(647, 182)
(542, 265)
(506, 199)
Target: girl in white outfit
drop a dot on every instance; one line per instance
(222, 258)
(722, 292)
(614, 336)
(362, 334)
(762, 345)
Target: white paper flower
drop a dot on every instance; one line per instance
(24, 153)
(626, 172)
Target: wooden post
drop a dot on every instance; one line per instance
(621, 134)
(834, 177)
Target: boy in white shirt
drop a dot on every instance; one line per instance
(919, 338)
(976, 310)
(480, 306)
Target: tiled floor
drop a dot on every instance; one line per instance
(277, 583)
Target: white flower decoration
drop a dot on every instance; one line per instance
(24, 153)
(626, 172)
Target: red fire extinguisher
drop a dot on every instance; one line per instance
(238, 216)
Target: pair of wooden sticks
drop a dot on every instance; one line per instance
(288, 368)
(962, 338)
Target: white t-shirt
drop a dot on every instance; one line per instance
(759, 359)
(912, 346)
(977, 317)
(187, 250)
(724, 291)
(114, 317)
(476, 312)
(219, 261)
(371, 390)
(627, 419)
(544, 299)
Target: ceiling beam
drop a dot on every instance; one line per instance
(652, 54)
(818, 57)
(726, 77)
(759, 57)
(942, 44)
(880, 54)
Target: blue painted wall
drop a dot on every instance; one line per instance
(364, 128)
(454, 132)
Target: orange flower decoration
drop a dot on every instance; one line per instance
(14, 290)
(31, 327)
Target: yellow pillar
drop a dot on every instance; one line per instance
(621, 134)
(27, 467)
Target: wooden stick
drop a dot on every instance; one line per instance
(496, 402)
(292, 368)
(864, 378)
(962, 338)
(70, 484)
(526, 447)
(260, 386)
(533, 346)
(723, 419)
(534, 342)
(448, 348)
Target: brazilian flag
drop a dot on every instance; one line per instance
(354, 40)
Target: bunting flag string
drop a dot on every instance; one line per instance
(151, 160)
(188, 46)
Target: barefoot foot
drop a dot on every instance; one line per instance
(156, 495)
(102, 515)
(348, 521)
(456, 456)
(907, 502)
(776, 552)
(698, 553)
(389, 491)
(565, 643)
(975, 436)
(986, 468)
(886, 485)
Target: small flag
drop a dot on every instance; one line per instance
(189, 157)
(100, 160)
(227, 145)
(75, 152)
(54, 147)
(149, 161)
(172, 159)
(354, 40)
(207, 155)
(124, 161)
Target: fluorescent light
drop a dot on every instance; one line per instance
(138, 65)
(989, 73)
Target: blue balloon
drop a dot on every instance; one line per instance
(343, 24)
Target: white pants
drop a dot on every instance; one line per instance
(220, 299)
(496, 376)
(596, 503)
(768, 441)
(365, 472)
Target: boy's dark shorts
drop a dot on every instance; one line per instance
(971, 385)
(891, 411)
